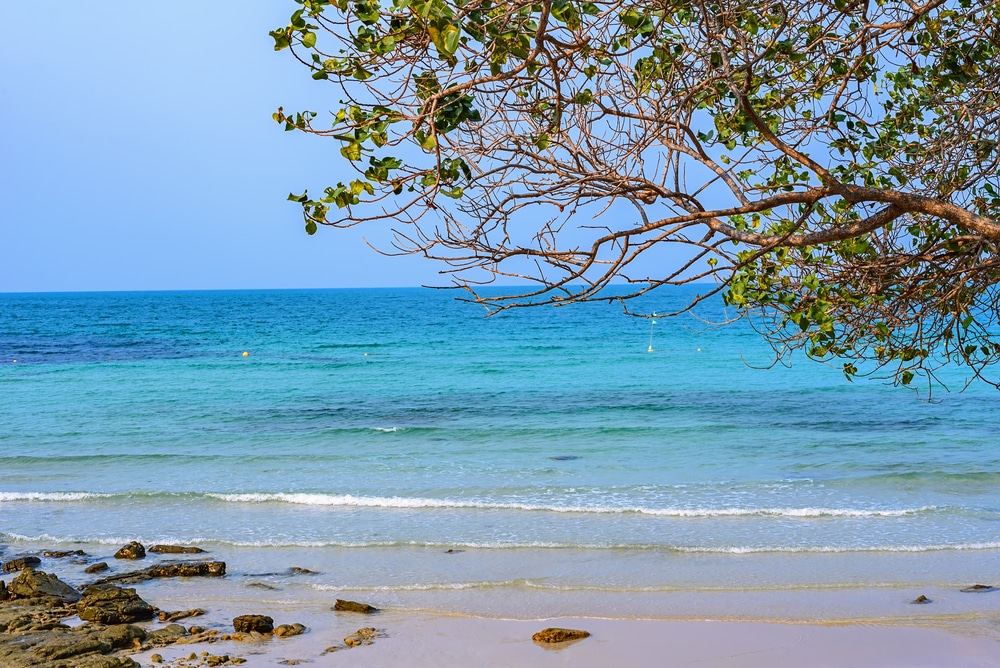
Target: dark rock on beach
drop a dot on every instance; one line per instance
(180, 569)
(252, 623)
(99, 567)
(351, 606)
(921, 600)
(978, 589)
(133, 550)
(108, 604)
(554, 635)
(60, 554)
(15, 565)
(175, 549)
(178, 615)
(4, 594)
(288, 630)
(37, 584)
(35, 638)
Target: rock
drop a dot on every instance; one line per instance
(99, 567)
(351, 606)
(175, 549)
(180, 614)
(295, 570)
(174, 570)
(37, 584)
(108, 604)
(4, 594)
(288, 630)
(15, 565)
(55, 554)
(251, 623)
(553, 635)
(133, 550)
(156, 658)
(168, 635)
(363, 636)
(978, 589)
(921, 599)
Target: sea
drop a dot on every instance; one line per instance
(398, 446)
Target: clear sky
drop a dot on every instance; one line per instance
(138, 153)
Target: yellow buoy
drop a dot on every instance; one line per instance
(246, 354)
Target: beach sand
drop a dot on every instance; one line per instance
(418, 640)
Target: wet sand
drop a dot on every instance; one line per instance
(435, 640)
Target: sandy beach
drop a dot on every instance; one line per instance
(421, 640)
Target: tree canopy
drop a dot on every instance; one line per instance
(829, 166)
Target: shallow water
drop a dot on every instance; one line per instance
(569, 470)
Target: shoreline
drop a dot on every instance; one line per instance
(408, 635)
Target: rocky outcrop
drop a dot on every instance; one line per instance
(554, 635)
(16, 565)
(352, 606)
(4, 594)
(99, 567)
(175, 549)
(108, 604)
(133, 550)
(921, 600)
(180, 569)
(37, 584)
(35, 638)
(253, 623)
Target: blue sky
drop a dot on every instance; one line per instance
(138, 153)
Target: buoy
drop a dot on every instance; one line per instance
(14, 362)
(246, 354)
(650, 349)
(699, 350)
(366, 354)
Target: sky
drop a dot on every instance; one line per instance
(137, 152)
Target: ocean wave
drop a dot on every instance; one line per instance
(350, 500)
(52, 496)
(46, 538)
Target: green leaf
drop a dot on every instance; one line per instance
(906, 378)
(308, 39)
(310, 227)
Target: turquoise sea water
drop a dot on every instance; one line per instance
(369, 431)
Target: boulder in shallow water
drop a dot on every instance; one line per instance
(288, 630)
(251, 623)
(108, 604)
(978, 589)
(554, 635)
(175, 549)
(352, 606)
(921, 600)
(37, 584)
(99, 567)
(16, 565)
(60, 554)
(133, 550)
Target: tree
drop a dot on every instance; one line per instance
(832, 165)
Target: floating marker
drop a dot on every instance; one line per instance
(246, 354)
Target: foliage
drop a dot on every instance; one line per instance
(831, 164)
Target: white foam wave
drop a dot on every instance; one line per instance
(349, 500)
(498, 545)
(51, 496)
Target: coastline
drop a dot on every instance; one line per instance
(432, 635)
